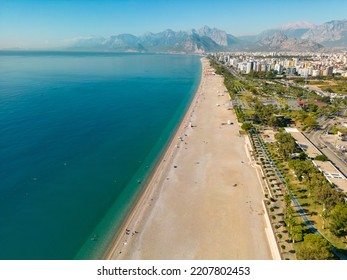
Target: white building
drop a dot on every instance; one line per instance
(278, 68)
(249, 67)
(315, 73)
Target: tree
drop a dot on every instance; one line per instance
(246, 126)
(274, 121)
(314, 247)
(310, 108)
(297, 233)
(270, 75)
(302, 156)
(310, 122)
(302, 168)
(290, 220)
(338, 220)
(325, 99)
(329, 197)
(316, 180)
(321, 158)
(288, 199)
(263, 113)
(287, 145)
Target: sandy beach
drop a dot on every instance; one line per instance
(204, 200)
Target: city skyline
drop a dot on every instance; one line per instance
(40, 24)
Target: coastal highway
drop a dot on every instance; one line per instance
(315, 138)
(232, 70)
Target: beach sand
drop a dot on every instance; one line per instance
(204, 199)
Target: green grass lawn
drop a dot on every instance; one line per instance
(307, 201)
(340, 88)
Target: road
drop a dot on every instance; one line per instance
(316, 139)
(232, 70)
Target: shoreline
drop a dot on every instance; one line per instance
(149, 190)
(197, 203)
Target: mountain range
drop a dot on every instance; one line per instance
(301, 36)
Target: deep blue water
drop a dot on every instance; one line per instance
(77, 131)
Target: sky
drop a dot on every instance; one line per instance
(53, 23)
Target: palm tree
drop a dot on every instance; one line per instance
(288, 199)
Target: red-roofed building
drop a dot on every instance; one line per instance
(302, 103)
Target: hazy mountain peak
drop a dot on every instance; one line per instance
(279, 41)
(299, 36)
(148, 33)
(86, 41)
(275, 40)
(90, 37)
(192, 31)
(205, 28)
(335, 30)
(218, 36)
(297, 25)
(169, 31)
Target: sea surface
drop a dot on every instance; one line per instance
(79, 134)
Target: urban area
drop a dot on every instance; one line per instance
(293, 107)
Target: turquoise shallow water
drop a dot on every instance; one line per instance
(77, 131)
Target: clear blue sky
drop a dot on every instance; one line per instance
(46, 23)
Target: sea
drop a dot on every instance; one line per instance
(79, 135)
